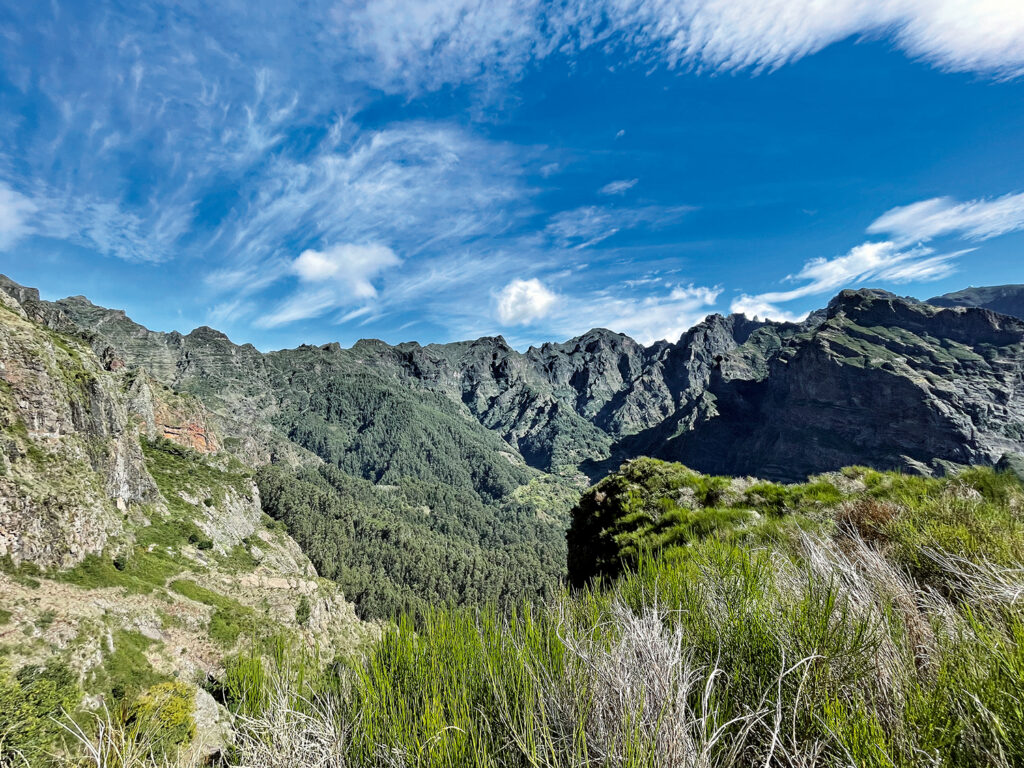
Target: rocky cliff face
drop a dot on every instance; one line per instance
(72, 468)
(1005, 299)
(884, 381)
(117, 499)
(874, 379)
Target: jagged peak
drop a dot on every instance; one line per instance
(498, 340)
(18, 291)
(856, 300)
(594, 334)
(205, 332)
(737, 325)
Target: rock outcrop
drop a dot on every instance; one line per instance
(71, 468)
(883, 381)
(1005, 299)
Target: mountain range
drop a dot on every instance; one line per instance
(166, 498)
(414, 474)
(872, 379)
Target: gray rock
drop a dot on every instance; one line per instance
(214, 733)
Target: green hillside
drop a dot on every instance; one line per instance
(861, 619)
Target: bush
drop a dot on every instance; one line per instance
(29, 702)
(302, 610)
(164, 713)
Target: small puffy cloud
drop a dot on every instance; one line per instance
(349, 266)
(522, 302)
(618, 187)
(939, 216)
(868, 261)
(15, 209)
(332, 278)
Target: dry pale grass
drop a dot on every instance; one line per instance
(291, 732)
(115, 743)
(633, 694)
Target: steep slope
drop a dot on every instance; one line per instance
(428, 504)
(1005, 299)
(883, 381)
(132, 547)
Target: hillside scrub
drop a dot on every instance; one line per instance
(878, 621)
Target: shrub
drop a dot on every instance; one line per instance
(164, 711)
(29, 701)
(302, 610)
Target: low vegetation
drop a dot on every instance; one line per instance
(230, 618)
(861, 619)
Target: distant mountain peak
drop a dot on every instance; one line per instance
(1005, 299)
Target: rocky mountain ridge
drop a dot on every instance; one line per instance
(780, 400)
(1005, 299)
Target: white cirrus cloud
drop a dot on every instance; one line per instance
(939, 216)
(618, 187)
(406, 45)
(884, 261)
(15, 210)
(522, 302)
(590, 224)
(334, 277)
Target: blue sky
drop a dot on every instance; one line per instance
(446, 169)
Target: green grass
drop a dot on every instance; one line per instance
(23, 573)
(140, 572)
(654, 506)
(176, 468)
(230, 619)
(125, 670)
(849, 675)
(871, 620)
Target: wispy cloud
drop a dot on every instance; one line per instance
(904, 257)
(409, 46)
(335, 277)
(939, 216)
(588, 225)
(15, 210)
(618, 187)
(883, 261)
(647, 316)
